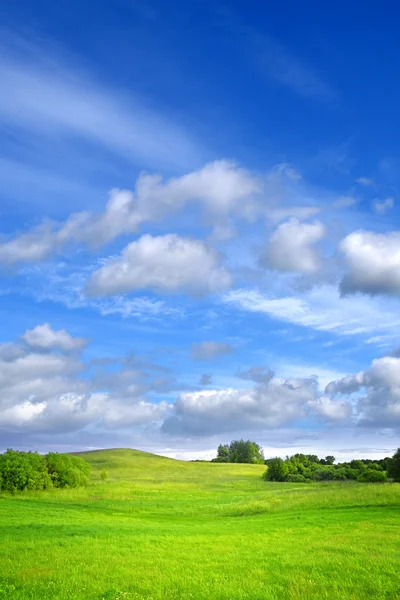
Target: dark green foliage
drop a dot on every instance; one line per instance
(301, 468)
(222, 453)
(394, 466)
(375, 466)
(240, 451)
(31, 471)
(67, 471)
(278, 470)
(328, 460)
(23, 471)
(372, 476)
(357, 464)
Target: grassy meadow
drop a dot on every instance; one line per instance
(164, 529)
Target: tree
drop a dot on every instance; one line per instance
(394, 466)
(277, 470)
(239, 451)
(245, 452)
(223, 453)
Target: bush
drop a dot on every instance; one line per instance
(372, 476)
(67, 471)
(103, 474)
(352, 473)
(23, 471)
(325, 474)
(277, 470)
(31, 471)
(358, 465)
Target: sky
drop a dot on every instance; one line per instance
(200, 226)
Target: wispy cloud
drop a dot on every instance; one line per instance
(47, 97)
(322, 309)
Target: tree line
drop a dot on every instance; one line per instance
(302, 468)
(31, 471)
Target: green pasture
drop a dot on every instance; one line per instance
(164, 529)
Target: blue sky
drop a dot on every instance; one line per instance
(199, 226)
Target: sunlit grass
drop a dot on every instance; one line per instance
(163, 529)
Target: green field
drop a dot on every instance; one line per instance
(164, 529)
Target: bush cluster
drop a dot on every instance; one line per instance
(31, 471)
(302, 468)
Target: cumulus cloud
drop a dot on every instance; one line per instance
(291, 247)
(166, 263)
(209, 349)
(265, 406)
(377, 392)
(220, 188)
(44, 337)
(373, 263)
(381, 208)
(45, 392)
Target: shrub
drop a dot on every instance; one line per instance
(340, 474)
(374, 466)
(23, 470)
(103, 474)
(372, 476)
(357, 464)
(277, 470)
(67, 471)
(351, 473)
(325, 473)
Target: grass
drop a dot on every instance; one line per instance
(160, 529)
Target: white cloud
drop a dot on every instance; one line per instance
(269, 405)
(377, 392)
(221, 188)
(43, 392)
(381, 208)
(290, 247)
(373, 263)
(323, 309)
(166, 263)
(44, 337)
(209, 349)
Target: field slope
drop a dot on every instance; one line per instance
(165, 529)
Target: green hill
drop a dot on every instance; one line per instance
(133, 465)
(163, 529)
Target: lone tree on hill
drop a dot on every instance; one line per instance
(240, 451)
